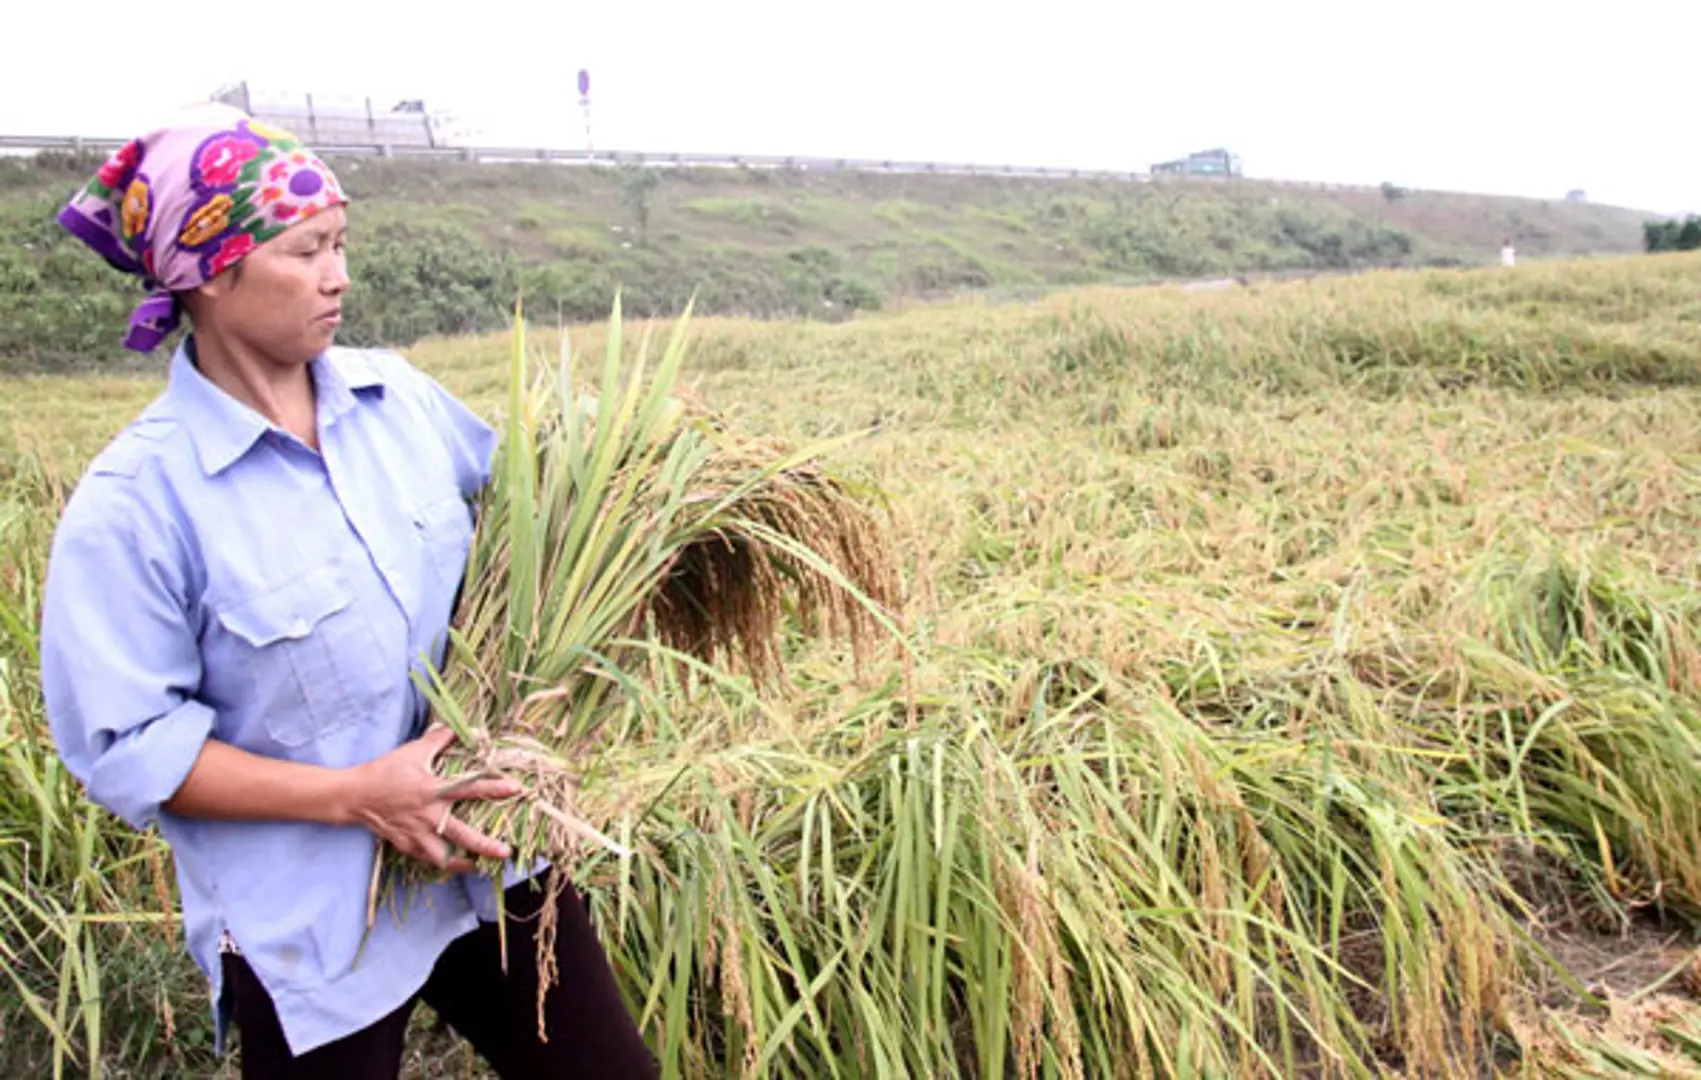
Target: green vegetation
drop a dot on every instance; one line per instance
(1672, 235)
(1308, 682)
(443, 248)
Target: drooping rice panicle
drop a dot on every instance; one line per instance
(619, 528)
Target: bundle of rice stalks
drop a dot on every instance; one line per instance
(619, 528)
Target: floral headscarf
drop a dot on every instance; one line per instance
(179, 205)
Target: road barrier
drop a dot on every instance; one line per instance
(631, 158)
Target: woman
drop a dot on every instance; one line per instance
(236, 594)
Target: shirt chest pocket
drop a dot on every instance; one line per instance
(305, 655)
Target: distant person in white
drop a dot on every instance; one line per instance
(1508, 257)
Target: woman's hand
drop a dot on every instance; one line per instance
(396, 797)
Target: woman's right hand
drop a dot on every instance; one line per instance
(396, 797)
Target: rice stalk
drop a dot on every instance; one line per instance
(616, 530)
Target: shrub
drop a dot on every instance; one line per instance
(1672, 235)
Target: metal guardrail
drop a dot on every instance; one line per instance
(681, 160)
(622, 157)
(43, 142)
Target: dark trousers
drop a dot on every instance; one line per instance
(591, 1034)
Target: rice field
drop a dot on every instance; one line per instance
(1300, 680)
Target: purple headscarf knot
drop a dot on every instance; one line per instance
(184, 203)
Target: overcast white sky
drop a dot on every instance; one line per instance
(1510, 96)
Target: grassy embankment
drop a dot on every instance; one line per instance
(441, 248)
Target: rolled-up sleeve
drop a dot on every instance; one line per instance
(119, 660)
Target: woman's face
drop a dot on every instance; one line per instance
(285, 298)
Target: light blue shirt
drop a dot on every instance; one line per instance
(213, 577)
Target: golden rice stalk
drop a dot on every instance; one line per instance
(618, 528)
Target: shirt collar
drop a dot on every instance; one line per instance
(223, 429)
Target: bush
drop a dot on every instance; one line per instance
(61, 307)
(1672, 235)
(855, 294)
(571, 291)
(415, 279)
